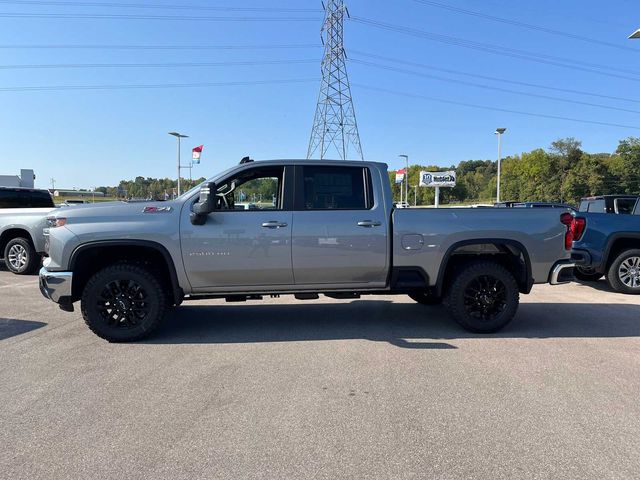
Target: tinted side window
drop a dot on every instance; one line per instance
(38, 200)
(596, 206)
(624, 205)
(335, 188)
(9, 199)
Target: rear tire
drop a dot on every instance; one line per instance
(624, 273)
(20, 257)
(586, 274)
(123, 303)
(425, 298)
(484, 297)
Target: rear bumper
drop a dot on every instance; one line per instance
(56, 286)
(581, 258)
(562, 272)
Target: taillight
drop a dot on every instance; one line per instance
(575, 228)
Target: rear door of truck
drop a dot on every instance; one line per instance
(340, 227)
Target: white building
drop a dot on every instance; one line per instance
(24, 180)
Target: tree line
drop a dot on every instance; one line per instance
(561, 173)
(149, 188)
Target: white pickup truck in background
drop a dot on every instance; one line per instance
(23, 217)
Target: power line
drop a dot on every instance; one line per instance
(334, 124)
(497, 109)
(490, 87)
(500, 50)
(105, 16)
(162, 47)
(529, 26)
(153, 86)
(495, 79)
(156, 65)
(157, 6)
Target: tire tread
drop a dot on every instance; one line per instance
(455, 295)
(124, 267)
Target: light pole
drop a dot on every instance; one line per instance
(406, 179)
(635, 34)
(415, 195)
(499, 132)
(179, 136)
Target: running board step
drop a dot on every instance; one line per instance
(241, 298)
(307, 296)
(342, 295)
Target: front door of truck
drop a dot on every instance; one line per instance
(247, 241)
(339, 228)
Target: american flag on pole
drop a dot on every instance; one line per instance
(400, 175)
(196, 153)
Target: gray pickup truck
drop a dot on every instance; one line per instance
(316, 227)
(23, 216)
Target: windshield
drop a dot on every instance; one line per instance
(189, 192)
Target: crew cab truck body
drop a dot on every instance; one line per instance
(319, 227)
(608, 244)
(23, 214)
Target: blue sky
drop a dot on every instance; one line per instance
(98, 137)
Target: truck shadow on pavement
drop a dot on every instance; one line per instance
(404, 325)
(10, 327)
(600, 285)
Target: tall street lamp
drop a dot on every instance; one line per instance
(406, 179)
(499, 132)
(635, 34)
(179, 136)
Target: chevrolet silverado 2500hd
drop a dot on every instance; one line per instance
(317, 227)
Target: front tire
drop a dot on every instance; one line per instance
(624, 273)
(586, 274)
(123, 303)
(484, 297)
(20, 257)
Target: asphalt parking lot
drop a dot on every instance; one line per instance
(373, 388)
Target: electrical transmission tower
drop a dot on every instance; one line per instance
(334, 124)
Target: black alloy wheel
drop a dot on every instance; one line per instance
(123, 302)
(483, 296)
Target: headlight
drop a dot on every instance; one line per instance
(53, 222)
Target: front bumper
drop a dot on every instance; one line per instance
(562, 272)
(56, 286)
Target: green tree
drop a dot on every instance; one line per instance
(627, 168)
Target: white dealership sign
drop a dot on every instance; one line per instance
(438, 179)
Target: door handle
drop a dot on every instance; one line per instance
(274, 224)
(369, 223)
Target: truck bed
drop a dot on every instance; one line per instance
(425, 237)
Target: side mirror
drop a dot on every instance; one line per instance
(205, 205)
